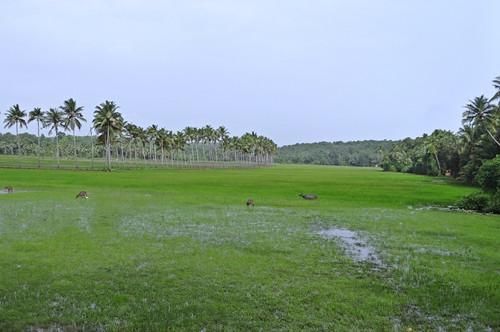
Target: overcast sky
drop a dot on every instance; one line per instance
(296, 71)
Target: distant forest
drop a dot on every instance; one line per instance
(355, 153)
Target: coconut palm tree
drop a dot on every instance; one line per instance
(142, 139)
(271, 148)
(37, 115)
(480, 113)
(109, 123)
(91, 133)
(131, 133)
(73, 119)
(234, 144)
(165, 142)
(207, 135)
(54, 119)
(152, 135)
(189, 135)
(180, 141)
(222, 136)
(496, 96)
(496, 85)
(431, 146)
(169, 142)
(15, 116)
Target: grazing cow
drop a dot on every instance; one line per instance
(82, 194)
(309, 196)
(250, 202)
(9, 189)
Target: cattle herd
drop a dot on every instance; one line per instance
(309, 197)
(250, 202)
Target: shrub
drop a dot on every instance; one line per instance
(477, 201)
(494, 206)
(488, 176)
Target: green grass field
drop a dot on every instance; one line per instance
(156, 250)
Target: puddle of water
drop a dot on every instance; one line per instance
(356, 247)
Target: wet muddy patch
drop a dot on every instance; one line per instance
(32, 219)
(449, 208)
(4, 192)
(354, 245)
(215, 226)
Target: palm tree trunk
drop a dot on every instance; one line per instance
(162, 154)
(215, 151)
(143, 153)
(108, 149)
(197, 154)
(74, 145)
(38, 134)
(17, 139)
(437, 162)
(130, 151)
(191, 156)
(493, 137)
(57, 148)
(203, 155)
(91, 150)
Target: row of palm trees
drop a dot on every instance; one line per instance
(129, 142)
(68, 116)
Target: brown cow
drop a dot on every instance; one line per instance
(9, 189)
(250, 202)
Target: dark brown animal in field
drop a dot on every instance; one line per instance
(250, 202)
(309, 196)
(9, 189)
(82, 194)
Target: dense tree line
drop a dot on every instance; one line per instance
(435, 154)
(488, 177)
(113, 138)
(356, 153)
(472, 155)
(456, 154)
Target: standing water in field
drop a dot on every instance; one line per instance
(353, 244)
